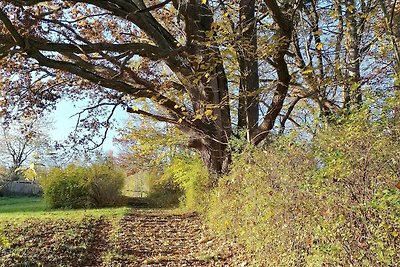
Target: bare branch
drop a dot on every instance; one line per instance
(108, 120)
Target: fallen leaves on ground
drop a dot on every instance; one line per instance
(141, 238)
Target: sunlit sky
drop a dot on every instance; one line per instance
(64, 123)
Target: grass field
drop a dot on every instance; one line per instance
(21, 205)
(22, 208)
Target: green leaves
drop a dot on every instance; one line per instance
(98, 185)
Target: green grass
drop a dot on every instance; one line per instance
(21, 204)
(20, 209)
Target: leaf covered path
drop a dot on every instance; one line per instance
(154, 238)
(140, 238)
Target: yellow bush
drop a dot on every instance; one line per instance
(332, 202)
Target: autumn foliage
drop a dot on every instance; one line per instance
(333, 202)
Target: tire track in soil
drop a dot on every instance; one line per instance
(100, 245)
(155, 238)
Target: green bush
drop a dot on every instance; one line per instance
(66, 188)
(329, 203)
(192, 177)
(105, 184)
(184, 181)
(99, 185)
(164, 192)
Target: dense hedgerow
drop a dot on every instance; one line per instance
(98, 185)
(330, 203)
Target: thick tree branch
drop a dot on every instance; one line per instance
(288, 113)
(154, 7)
(18, 39)
(141, 49)
(284, 34)
(153, 116)
(284, 23)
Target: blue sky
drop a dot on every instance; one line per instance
(64, 124)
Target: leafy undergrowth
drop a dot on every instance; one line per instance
(140, 238)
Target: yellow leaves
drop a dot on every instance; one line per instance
(197, 117)
(134, 64)
(355, 86)
(48, 6)
(350, 8)
(207, 76)
(307, 71)
(319, 46)
(4, 242)
(204, 2)
(208, 112)
(319, 33)
(210, 34)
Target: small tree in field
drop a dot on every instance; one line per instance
(22, 144)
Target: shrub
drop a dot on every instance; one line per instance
(360, 163)
(190, 174)
(184, 181)
(329, 203)
(105, 184)
(79, 187)
(164, 192)
(66, 188)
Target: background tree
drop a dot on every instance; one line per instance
(25, 142)
(391, 11)
(148, 145)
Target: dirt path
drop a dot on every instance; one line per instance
(155, 238)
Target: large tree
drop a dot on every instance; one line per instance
(211, 67)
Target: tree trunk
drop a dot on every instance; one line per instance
(352, 94)
(248, 110)
(392, 22)
(215, 155)
(284, 34)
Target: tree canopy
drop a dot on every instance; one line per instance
(213, 68)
